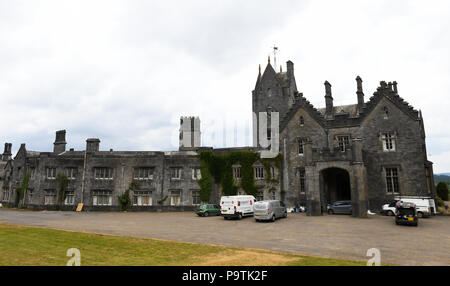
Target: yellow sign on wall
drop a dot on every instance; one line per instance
(79, 207)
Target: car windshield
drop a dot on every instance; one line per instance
(260, 206)
(406, 211)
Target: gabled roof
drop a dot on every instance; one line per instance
(347, 115)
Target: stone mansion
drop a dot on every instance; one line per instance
(367, 152)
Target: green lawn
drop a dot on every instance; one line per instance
(21, 245)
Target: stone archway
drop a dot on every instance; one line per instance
(335, 185)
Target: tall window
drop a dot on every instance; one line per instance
(392, 180)
(102, 198)
(388, 141)
(50, 197)
(196, 174)
(175, 173)
(143, 173)
(70, 198)
(269, 134)
(237, 172)
(71, 173)
(259, 173)
(272, 172)
(5, 195)
(103, 173)
(301, 174)
(343, 142)
(51, 173)
(196, 197)
(301, 146)
(175, 198)
(142, 198)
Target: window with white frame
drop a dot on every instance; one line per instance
(274, 195)
(301, 146)
(388, 139)
(196, 174)
(272, 172)
(392, 180)
(5, 195)
(343, 142)
(30, 196)
(51, 173)
(101, 173)
(143, 173)
(101, 198)
(196, 197)
(71, 172)
(142, 198)
(175, 198)
(259, 173)
(301, 173)
(50, 197)
(70, 198)
(237, 172)
(175, 173)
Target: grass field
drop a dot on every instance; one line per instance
(21, 245)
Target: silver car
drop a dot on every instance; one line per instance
(269, 210)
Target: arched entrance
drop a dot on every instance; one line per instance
(335, 186)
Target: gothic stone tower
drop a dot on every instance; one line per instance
(274, 92)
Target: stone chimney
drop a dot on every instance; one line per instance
(290, 68)
(328, 100)
(395, 87)
(60, 142)
(7, 152)
(92, 145)
(360, 94)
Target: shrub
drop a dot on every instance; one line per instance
(439, 202)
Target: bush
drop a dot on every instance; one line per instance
(442, 191)
(439, 202)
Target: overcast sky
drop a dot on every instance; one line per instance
(125, 71)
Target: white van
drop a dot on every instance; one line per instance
(236, 206)
(424, 205)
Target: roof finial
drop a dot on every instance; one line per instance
(281, 68)
(268, 59)
(259, 68)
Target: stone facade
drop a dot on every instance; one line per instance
(367, 152)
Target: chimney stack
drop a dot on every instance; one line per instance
(92, 145)
(360, 94)
(290, 68)
(60, 142)
(395, 87)
(328, 100)
(7, 152)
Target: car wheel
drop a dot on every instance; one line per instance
(390, 213)
(206, 214)
(225, 218)
(273, 218)
(330, 212)
(239, 216)
(257, 220)
(285, 215)
(420, 214)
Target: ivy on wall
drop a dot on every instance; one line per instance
(24, 185)
(63, 183)
(220, 167)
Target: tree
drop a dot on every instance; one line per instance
(442, 190)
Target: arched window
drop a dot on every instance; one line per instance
(386, 112)
(302, 121)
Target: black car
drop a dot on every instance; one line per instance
(406, 213)
(340, 207)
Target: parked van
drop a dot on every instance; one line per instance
(236, 206)
(269, 210)
(425, 206)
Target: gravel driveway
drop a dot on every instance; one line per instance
(336, 236)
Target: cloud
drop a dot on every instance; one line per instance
(125, 71)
